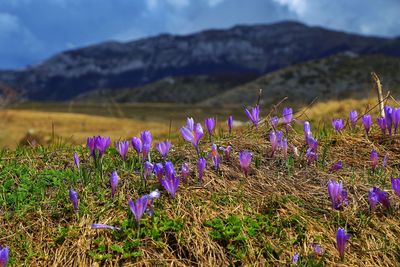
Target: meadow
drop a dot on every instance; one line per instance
(305, 194)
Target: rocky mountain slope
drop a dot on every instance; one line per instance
(241, 50)
(337, 77)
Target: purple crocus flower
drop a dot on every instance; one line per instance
(190, 123)
(295, 258)
(163, 148)
(150, 205)
(317, 249)
(76, 160)
(159, 170)
(374, 159)
(312, 143)
(230, 124)
(367, 121)
(114, 179)
(396, 118)
(91, 144)
(307, 130)
(169, 169)
(73, 196)
(245, 158)
(274, 121)
(210, 125)
(227, 152)
(122, 148)
(104, 226)
(353, 116)
(389, 118)
(287, 115)
(375, 196)
(382, 124)
(185, 171)
(337, 195)
(201, 166)
(338, 125)
(137, 145)
(253, 115)
(311, 155)
(147, 170)
(273, 139)
(138, 207)
(147, 139)
(215, 156)
(171, 184)
(396, 185)
(341, 239)
(102, 143)
(192, 135)
(3, 256)
(336, 166)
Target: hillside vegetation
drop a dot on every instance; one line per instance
(333, 78)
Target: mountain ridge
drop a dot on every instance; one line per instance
(251, 50)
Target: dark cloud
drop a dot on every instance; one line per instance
(31, 30)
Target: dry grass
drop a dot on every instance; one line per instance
(15, 124)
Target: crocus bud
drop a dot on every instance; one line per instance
(76, 160)
(338, 125)
(337, 195)
(396, 185)
(210, 125)
(201, 166)
(122, 148)
(245, 158)
(274, 121)
(230, 124)
(137, 144)
(382, 124)
(114, 179)
(341, 240)
(287, 115)
(273, 139)
(367, 121)
(73, 196)
(215, 156)
(353, 116)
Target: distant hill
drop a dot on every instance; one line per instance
(239, 51)
(184, 90)
(336, 77)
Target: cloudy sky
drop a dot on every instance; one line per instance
(31, 30)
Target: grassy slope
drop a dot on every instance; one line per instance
(189, 89)
(280, 209)
(332, 78)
